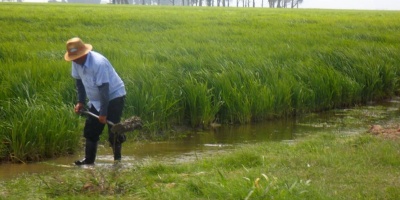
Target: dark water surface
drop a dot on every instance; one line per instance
(205, 144)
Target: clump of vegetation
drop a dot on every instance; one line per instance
(35, 130)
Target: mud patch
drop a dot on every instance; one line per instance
(388, 133)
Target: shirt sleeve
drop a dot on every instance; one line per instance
(81, 91)
(104, 96)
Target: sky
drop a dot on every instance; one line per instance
(352, 4)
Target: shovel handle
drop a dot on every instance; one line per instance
(94, 115)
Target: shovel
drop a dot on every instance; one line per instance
(127, 125)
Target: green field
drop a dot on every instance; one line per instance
(188, 66)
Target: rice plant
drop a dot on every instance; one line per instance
(32, 130)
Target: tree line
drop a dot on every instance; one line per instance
(218, 3)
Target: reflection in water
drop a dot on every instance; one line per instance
(225, 138)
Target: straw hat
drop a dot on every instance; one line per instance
(76, 49)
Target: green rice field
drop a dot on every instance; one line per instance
(188, 66)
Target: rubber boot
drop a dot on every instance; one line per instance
(117, 152)
(90, 153)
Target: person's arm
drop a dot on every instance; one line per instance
(81, 91)
(104, 99)
(81, 95)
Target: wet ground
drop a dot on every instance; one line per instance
(204, 144)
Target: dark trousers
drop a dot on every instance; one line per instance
(93, 128)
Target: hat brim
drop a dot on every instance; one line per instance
(79, 54)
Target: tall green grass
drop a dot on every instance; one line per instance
(193, 66)
(33, 130)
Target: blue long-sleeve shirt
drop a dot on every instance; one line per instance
(100, 81)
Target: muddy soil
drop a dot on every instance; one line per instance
(390, 131)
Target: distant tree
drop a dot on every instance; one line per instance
(120, 2)
(271, 3)
(278, 4)
(284, 3)
(295, 3)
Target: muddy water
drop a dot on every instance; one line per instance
(225, 138)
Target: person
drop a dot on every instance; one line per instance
(97, 81)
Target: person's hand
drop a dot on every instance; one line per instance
(103, 119)
(78, 107)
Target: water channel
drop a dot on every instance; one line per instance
(204, 144)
